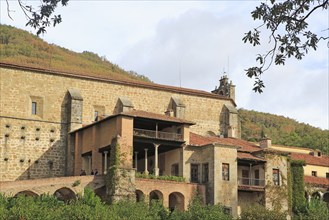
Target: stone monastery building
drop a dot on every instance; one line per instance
(54, 125)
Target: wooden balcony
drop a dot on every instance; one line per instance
(158, 134)
(250, 184)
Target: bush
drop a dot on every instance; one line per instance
(198, 211)
(259, 212)
(89, 206)
(315, 210)
(170, 178)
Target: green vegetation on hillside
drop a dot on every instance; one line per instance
(22, 48)
(282, 131)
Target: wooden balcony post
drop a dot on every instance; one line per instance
(105, 161)
(156, 130)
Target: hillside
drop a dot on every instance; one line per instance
(282, 130)
(23, 48)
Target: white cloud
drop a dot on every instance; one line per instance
(191, 41)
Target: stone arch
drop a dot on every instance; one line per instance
(26, 193)
(101, 192)
(326, 197)
(156, 195)
(316, 195)
(176, 201)
(65, 194)
(140, 197)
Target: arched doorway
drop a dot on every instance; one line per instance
(26, 193)
(101, 192)
(176, 201)
(326, 198)
(316, 195)
(65, 194)
(139, 196)
(156, 195)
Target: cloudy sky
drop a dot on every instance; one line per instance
(190, 44)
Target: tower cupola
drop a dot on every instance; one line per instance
(225, 88)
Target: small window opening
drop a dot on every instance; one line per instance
(276, 177)
(314, 173)
(226, 171)
(34, 108)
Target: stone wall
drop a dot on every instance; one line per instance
(18, 88)
(276, 196)
(225, 191)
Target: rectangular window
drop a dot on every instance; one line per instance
(205, 172)
(276, 177)
(226, 171)
(327, 175)
(34, 108)
(175, 169)
(195, 173)
(314, 173)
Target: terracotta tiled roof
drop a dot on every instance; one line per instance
(155, 116)
(198, 140)
(317, 181)
(310, 159)
(248, 156)
(128, 82)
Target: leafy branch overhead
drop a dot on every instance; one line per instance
(289, 33)
(43, 16)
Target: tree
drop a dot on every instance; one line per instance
(289, 33)
(40, 18)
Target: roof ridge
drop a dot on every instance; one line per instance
(155, 86)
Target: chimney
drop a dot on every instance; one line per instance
(265, 143)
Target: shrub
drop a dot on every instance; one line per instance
(170, 178)
(198, 211)
(259, 212)
(315, 210)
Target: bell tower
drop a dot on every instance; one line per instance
(225, 88)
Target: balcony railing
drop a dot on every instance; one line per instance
(158, 134)
(250, 182)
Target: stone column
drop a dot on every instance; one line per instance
(136, 153)
(105, 161)
(156, 160)
(89, 164)
(145, 170)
